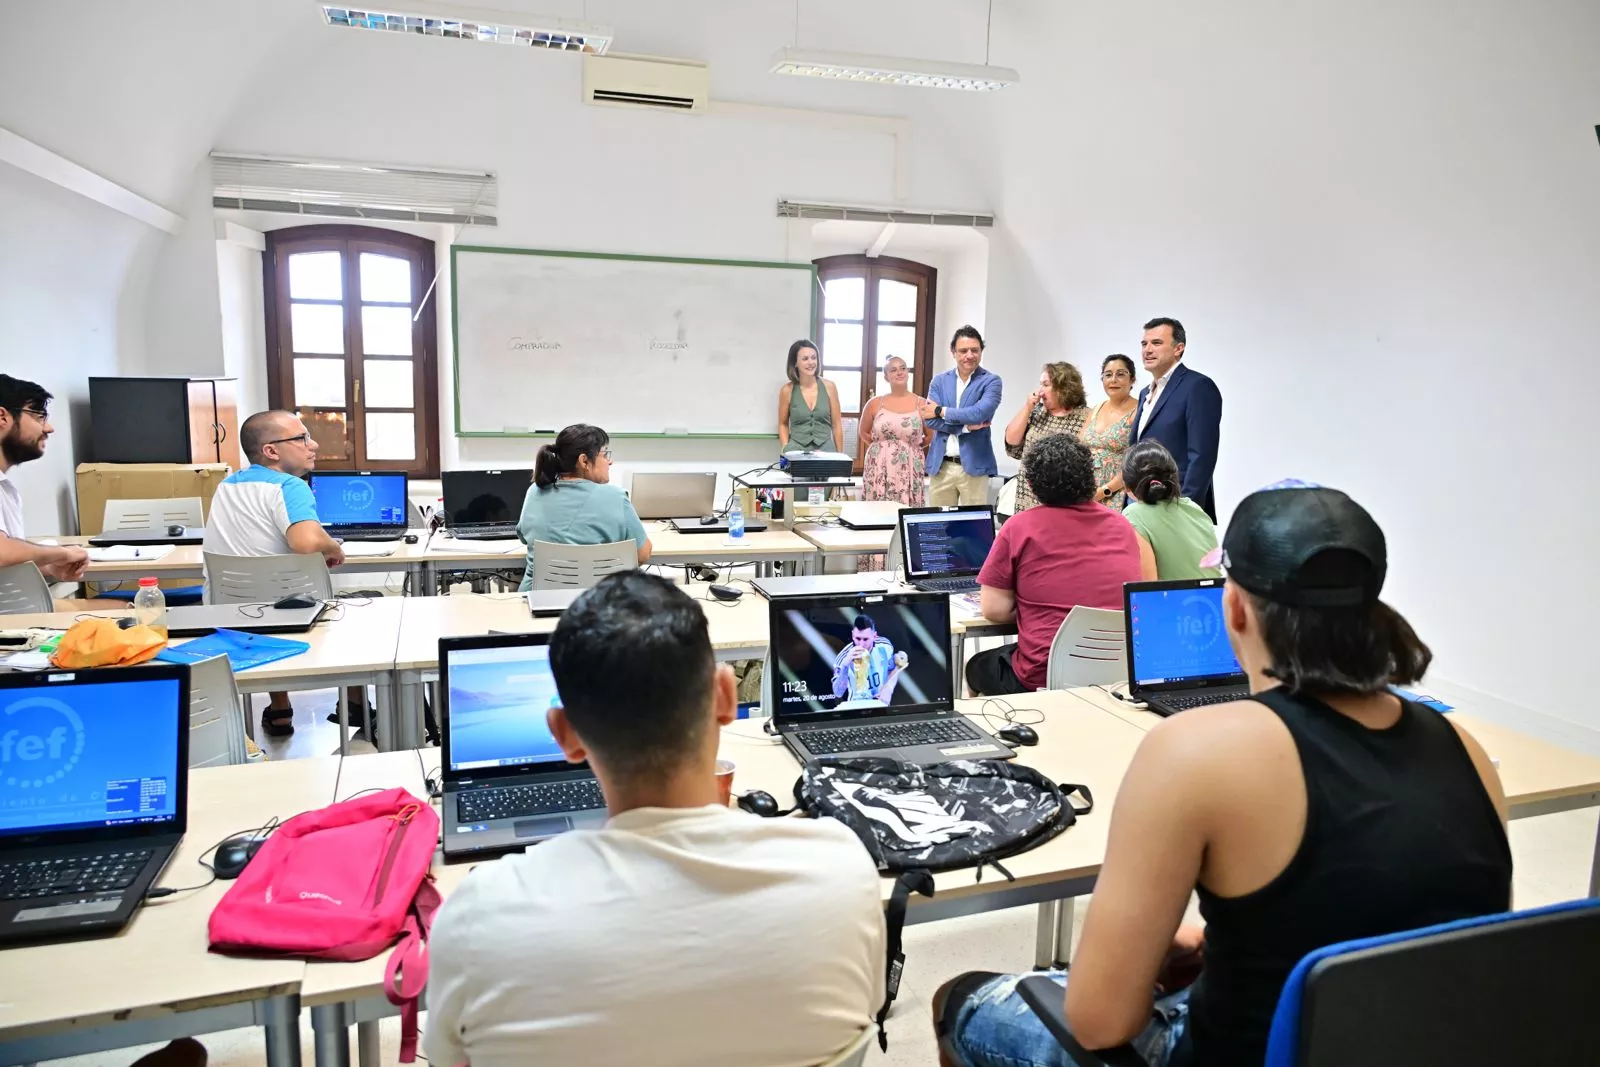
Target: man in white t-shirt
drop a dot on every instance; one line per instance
(682, 932)
(24, 428)
(267, 509)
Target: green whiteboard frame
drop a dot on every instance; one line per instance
(455, 333)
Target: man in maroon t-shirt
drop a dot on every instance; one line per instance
(1064, 552)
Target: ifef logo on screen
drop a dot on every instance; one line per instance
(1200, 624)
(41, 740)
(358, 494)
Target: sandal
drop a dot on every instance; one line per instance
(277, 722)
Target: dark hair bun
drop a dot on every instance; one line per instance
(1154, 490)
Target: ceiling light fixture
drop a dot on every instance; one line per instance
(501, 27)
(892, 70)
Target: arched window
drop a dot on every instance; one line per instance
(871, 309)
(346, 348)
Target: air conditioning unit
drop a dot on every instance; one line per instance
(648, 82)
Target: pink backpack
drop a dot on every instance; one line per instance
(343, 883)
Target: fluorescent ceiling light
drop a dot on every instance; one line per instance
(502, 27)
(892, 70)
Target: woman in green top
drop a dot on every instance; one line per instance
(1174, 532)
(571, 501)
(808, 406)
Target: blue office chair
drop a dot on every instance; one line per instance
(1512, 988)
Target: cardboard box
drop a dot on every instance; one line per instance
(99, 482)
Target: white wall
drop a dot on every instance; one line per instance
(1381, 226)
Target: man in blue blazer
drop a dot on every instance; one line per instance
(961, 403)
(1186, 413)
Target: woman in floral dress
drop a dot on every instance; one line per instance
(1108, 428)
(894, 446)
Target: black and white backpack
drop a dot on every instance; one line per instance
(916, 819)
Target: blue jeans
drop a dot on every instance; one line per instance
(996, 1028)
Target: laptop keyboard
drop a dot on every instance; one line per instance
(517, 801)
(483, 533)
(1198, 700)
(370, 533)
(70, 875)
(888, 735)
(947, 585)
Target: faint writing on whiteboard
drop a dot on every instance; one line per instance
(671, 346)
(517, 344)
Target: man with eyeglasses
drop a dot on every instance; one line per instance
(24, 428)
(267, 509)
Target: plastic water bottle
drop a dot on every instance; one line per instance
(736, 520)
(150, 606)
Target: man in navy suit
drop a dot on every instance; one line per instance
(1182, 409)
(961, 403)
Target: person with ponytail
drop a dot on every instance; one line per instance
(572, 502)
(1174, 532)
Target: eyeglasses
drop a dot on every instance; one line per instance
(303, 438)
(606, 452)
(38, 413)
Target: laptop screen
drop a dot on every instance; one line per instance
(1176, 636)
(496, 699)
(78, 753)
(364, 499)
(477, 498)
(947, 543)
(850, 652)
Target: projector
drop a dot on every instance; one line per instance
(816, 466)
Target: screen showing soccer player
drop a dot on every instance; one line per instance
(837, 653)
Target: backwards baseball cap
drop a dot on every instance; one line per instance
(1303, 545)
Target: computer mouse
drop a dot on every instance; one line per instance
(726, 592)
(1018, 734)
(297, 600)
(411, 539)
(234, 854)
(708, 520)
(759, 802)
(175, 531)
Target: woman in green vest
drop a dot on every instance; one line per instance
(1175, 533)
(808, 407)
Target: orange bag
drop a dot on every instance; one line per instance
(102, 643)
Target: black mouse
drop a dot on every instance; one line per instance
(236, 852)
(411, 539)
(297, 600)
(726, 592)
(708, 520)
(759, 802)
(1018, 734)
(175, 531)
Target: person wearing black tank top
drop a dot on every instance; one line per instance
(1325, 808)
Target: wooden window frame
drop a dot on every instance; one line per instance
(872, 270)
(351, 241)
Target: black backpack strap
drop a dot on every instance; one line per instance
(894, 916)
(1067, 789)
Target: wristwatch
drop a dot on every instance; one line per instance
(938, 411)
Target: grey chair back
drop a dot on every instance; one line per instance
(559, 566)
(23, 591)
(255, 579)
(216, 716)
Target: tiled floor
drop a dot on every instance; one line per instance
(1552, 857)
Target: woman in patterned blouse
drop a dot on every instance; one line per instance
(1058, 406)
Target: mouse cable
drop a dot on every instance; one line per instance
(158, 893)
(1008, 713)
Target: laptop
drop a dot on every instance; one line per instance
(693, 524)
(550, 603)
(1178, 651)
(869, 514)
(94, 777)
(663, 496)
(506, 784)
(484, 505)
(814, 584)
(869, 674)
(943, 548)
(191, 620)
(361, 505)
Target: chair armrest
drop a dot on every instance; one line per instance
(1043, 995)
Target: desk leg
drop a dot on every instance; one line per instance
(330, 1027)
(280, 1018)
(1044, 940)
(386, 723)
(368, 1051)
(1594, 869)
(1065, 910)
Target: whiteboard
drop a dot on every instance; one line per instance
(634, 344)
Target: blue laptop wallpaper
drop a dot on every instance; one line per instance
(498, 700)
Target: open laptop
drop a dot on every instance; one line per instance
(665, 496)
(1178, 651)
(506, 784)
(944, 547)
(191, 620)
(361, 505)
(94, 777)
(484, 505)
(869, 674)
